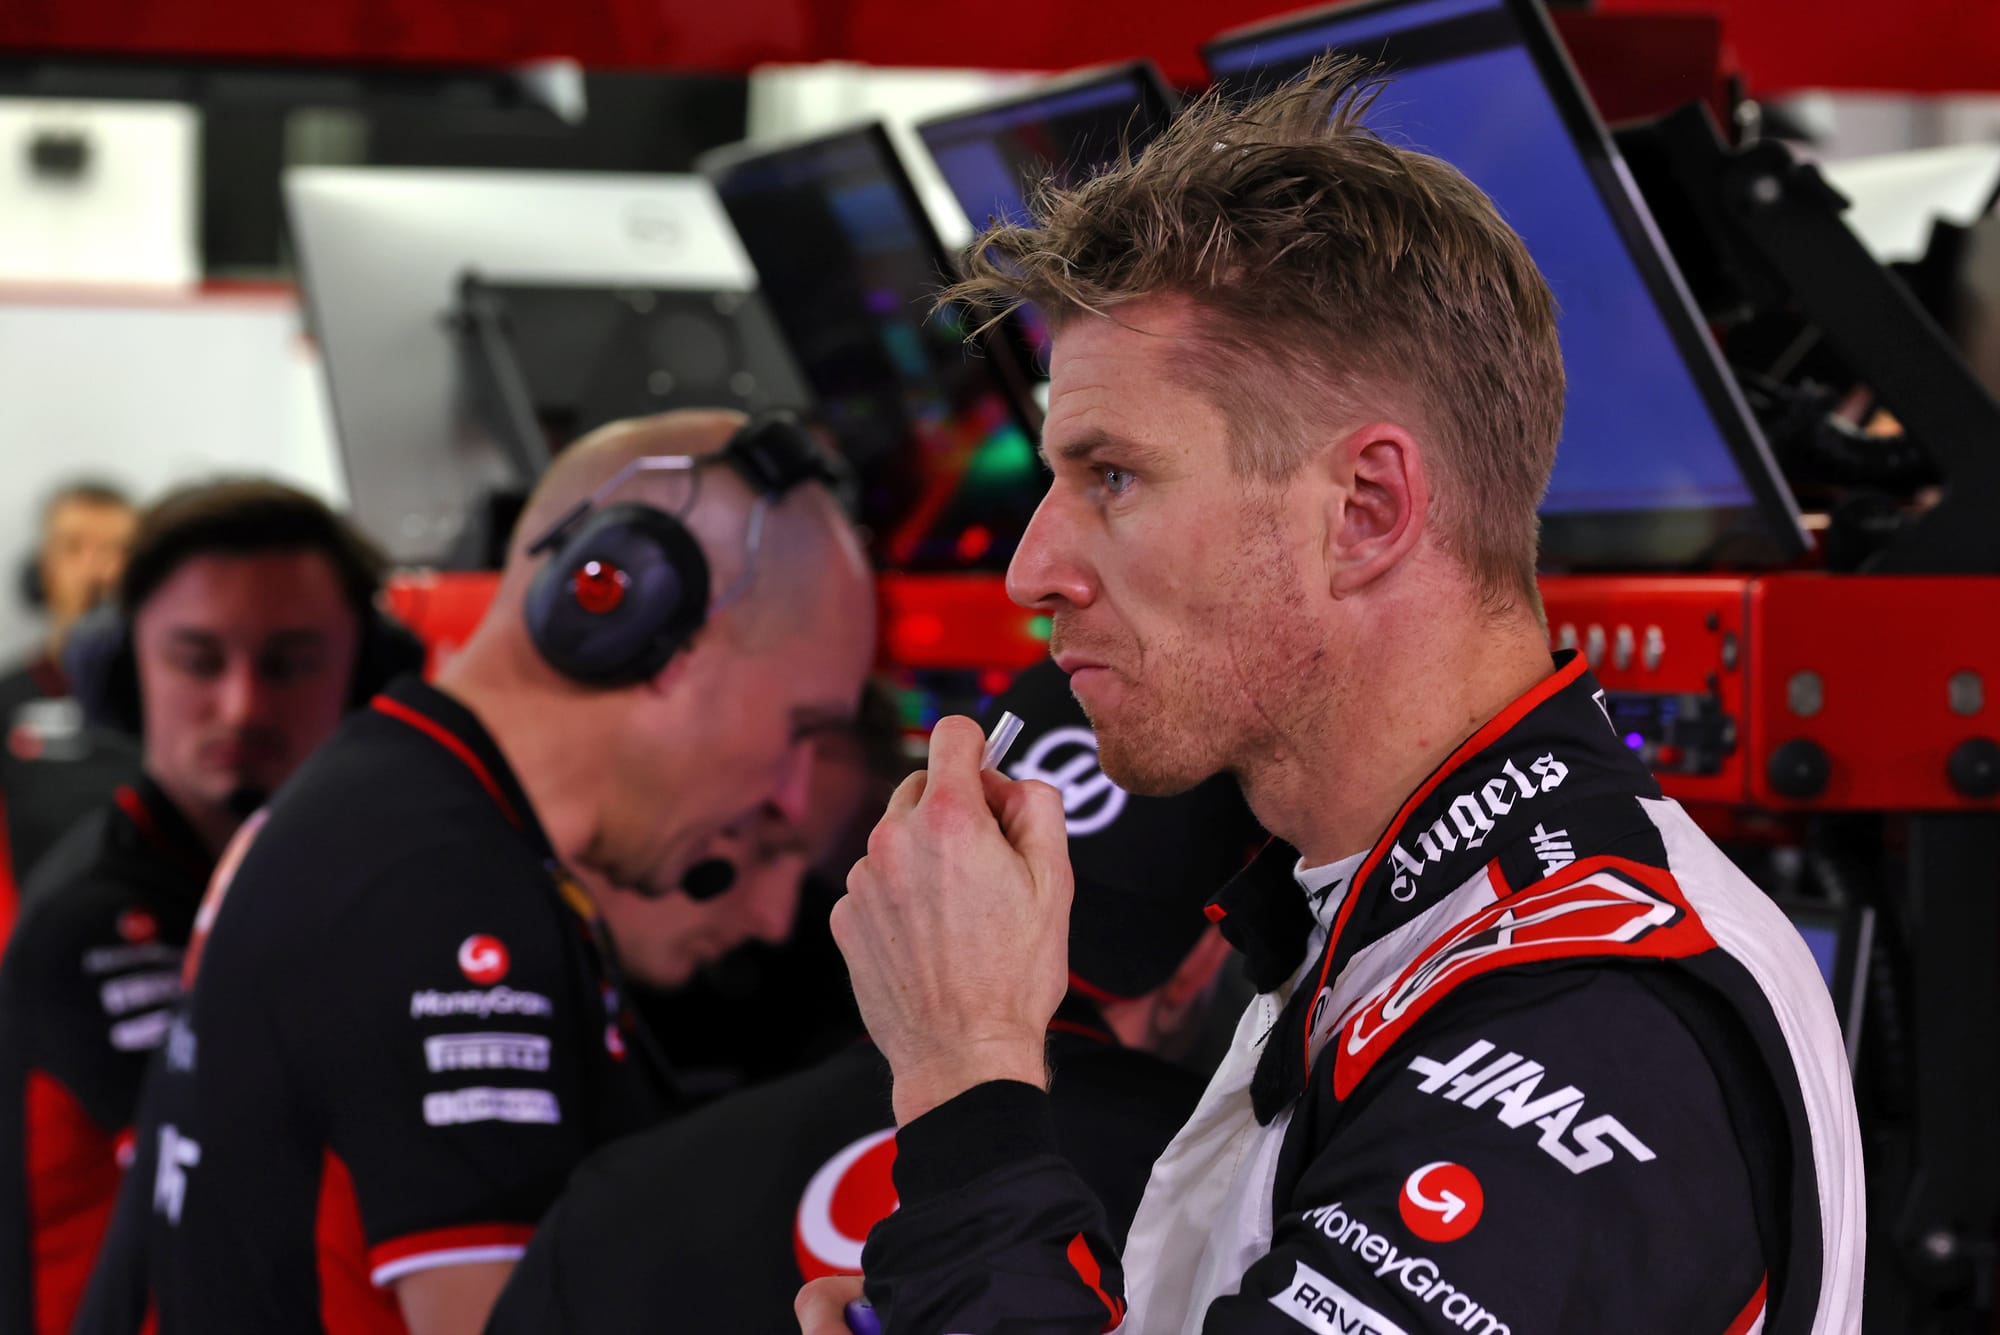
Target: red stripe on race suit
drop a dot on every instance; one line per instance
(464, 1237)
(451, 742)
(1087, 1270)
(10, 893)
(1616, 922)
(1747, 1319)
(73, 1177)
(348, 1303)
(1496, 727)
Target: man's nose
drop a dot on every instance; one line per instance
(1047, 568)
(243, 693)
(791, 797)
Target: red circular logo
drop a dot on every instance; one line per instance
(850, 1194)
(599, 587)
(137, 927)
(24, 742)
(1441, 1202)
(483, 959)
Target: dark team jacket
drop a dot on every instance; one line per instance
(401, 1035)
(87, 988)
(54, 770)
(713, 1222)
(1540, 1060)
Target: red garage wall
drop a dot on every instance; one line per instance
(1919, 45)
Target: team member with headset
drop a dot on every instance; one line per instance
(403, 1029)
(712, 1222)
(245, 625)
(52, 768)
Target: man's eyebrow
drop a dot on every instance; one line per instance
(1086, 445)
(810, 719)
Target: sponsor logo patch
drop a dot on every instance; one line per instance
(1512, 1085)
(1468, 818)
(1066, 760)
(1418, 1276)
(1553, 847)
(1441, 1202)
(139, 991)
(1317, 1303)
(170, 1178)
(434, 1005)
(483, 959)
(487, 1052)
(180, 1047)
(142, 1033)
(850, 1194)
(114, 959)
(1592, 909)
(136, 927)
(482, 1103)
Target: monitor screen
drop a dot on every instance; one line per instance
(1822, 938)
(940, 432)
(1660, 463)
(994, 156)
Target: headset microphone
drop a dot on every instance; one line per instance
(708, 878)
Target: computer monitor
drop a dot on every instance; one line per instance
(1842, 940)
(1661, 464)
(940, 432)
(383, 253)
(995, 155)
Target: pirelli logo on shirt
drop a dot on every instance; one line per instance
(487, 1052)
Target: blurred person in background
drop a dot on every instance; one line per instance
(405, 1023)
(87, 529)
(779, 1001)
(53, 768)
(712, 1222)
(245, 626)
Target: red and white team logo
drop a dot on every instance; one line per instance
(483, 959)
(1441, 1202)
(137, 927)
(850, 1194)
(1599, 907)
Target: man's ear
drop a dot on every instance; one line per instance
(1377, 507)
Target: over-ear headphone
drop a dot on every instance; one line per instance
(103, 670)
(34, 593)
(626, 586)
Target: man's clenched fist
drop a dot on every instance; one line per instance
(956, 925)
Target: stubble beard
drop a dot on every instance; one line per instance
(1235, 693)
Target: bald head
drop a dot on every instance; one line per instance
(805, 536)
(632, 781)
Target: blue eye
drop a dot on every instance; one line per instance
(1117, 481)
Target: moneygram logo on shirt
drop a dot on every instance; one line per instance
(1066, 760)
(1469, 819)
(483, 1002)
